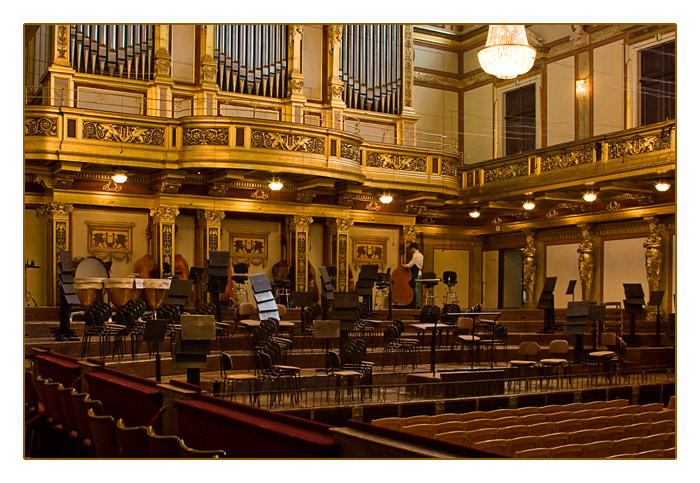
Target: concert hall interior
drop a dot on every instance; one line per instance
(332, 241)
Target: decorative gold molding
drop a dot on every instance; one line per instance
(396, 162)
(110, 239)
(339, 224)
(586, 262)
(653, 255)
(249, 246)
(287, 142)
(41, 126)
(260, 195)
(123, 133)
(351, 152)
(509, 171)
(217, 136)
(566, 160)
(299, 222)
(369, 250)
(640, 144)
(58, 210)
(164, 214)
(211, 217)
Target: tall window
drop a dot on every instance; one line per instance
(658, 83)
(371, 67)
(520, 120)
(252, 59)
(113, 50)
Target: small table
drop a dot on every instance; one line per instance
(421, 328)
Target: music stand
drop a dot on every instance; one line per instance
(655, 300)
(596, 314)
(193, 344)
(178, 293)
(345, 309)
(196, 274)
(217, 277)
(154, 333)
(570, 289)
(546, 302)
(576, 322)
(262, 291)
(302, 300)
(369, 274)
(634, 306)
(68, 299)
(328, 289)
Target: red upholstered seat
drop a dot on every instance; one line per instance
(58, 368)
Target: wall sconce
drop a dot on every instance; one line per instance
(475, 213)
(590, 196)
(529, 205)
(386, 198)
(119, 177)
(581, 87)
(275, 184)
(662, 185)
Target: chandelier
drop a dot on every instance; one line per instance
(507, 53)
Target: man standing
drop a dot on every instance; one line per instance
(416, 267)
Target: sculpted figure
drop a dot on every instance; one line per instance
(653, 256)
(585, 263)
(529, 266)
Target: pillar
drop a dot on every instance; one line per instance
(164, 230)
(160, 97)
(334, 36)
(298, 227)
(205, 96)
(407, 122)
(296, 78)
(60, 71)
(59, 239)
(340, 239)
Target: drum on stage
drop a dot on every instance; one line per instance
(89, 278)
(121, 290)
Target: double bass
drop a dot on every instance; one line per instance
(401, 291)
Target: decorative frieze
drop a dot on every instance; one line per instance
(41, 126)
(448, 169)
(640, 145)
(350, 151)
(215, 136)
(396, 162)
(502, 173)
(287, 142)
(123, 133)
(566, 160)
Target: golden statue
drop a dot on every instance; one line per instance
(529, 267)
(585, 263)
(653, 256)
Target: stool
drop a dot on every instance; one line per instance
(282, 294)
(450, 280)
(430, 289)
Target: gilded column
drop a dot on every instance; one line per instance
(164, 229)
(586, 262)
(61, 70)
(296, 78)
(205, 97)
(299, 229)
(407, 123)
(340, 239)
(334, 35)
(59, 239)
(160, 97)
(529, 255)
(653, 255)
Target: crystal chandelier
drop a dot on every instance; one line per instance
(507, 53)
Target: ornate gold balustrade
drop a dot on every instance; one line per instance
(104, 139)
(624, 154)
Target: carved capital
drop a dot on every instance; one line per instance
(164, 214)
(162, 67)
(299, 222)
(410, 232)
(339, 224)
(211, 217)
(58, 210)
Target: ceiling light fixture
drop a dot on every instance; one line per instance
(386, 198)
(119, 177)
(475, 213)
(662, 185)
(590, 196)
(275, 184)
(507, 53)
(529, 205)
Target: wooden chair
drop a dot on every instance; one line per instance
(464, 336)
(553, 440)
(621, 420)
(573, 407)
(162, 446)
(70, 420)
(497, 446)
(568, 425)
(654, 441)
(608, 411)
(512, 432)
(540, 429)
(560, 416)
(413, 420)
(529, 354)
(568, 451)
(132, 440)
(454, 437)
(652, 453)
(472, 416)
(582, 436)
(597, 449)
(606, 362)
(630, 409)
(447, 427)
(419, 430)
(617, 403)
(611, 433)
(626, 446)
(389, 423)
(655, 407)
(187, 452)
(534, 453)
(595, 405)
(520, 444)
(666, 415)
(504, 422)
(476, 424)
(531, 419)
(225, 365)
(597, 422)
(499, 413)
(104, 435)
(552, 408)
(557, 361)
(671, 441)
(479, 435)
(81, 404)
(446, 417)
(671, 403)
(526, 411)
(648, 417)
(636, 430)
(659, 427)
(670, 452)
(584, 413)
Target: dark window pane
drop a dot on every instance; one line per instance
(658, 83)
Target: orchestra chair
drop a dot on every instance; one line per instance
(430, 297)
(529, 354)
(464, 336)
(557, 360)
(104, 435)
(132, 440)
(281, 283)
(226, 364)
(240, 277)
(449, 278)
(187, 452)
(335, 370)
(605, 362)
(162, 446)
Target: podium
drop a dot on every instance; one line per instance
(546, 302)
(193, 344)
(634, 306)
(217, 277)
(369, 274)
(655, 300)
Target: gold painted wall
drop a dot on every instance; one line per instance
(184, 238)
(35, 239)
(490, 279)
(456, 261)
(439, 60)
(392, 246)
(438, 113)
(183, 53)
(608, 88)
(312, 59)
(478, 124)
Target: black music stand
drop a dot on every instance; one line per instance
(262, 291)
(369, 274)
(634, 306)
(196, 274)
(431, 315)
(596, 314)
(546, 302)
(655, 300)
(570, 289)
(302, 300)
(576, 323)
(193, 345)
(68, 300)
(345, 309)
(328, 289)
(217, 277)
(154, 333)
(178, 293)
